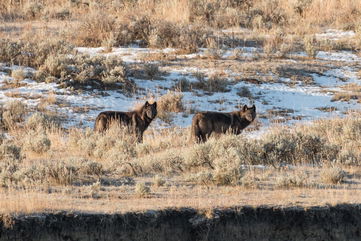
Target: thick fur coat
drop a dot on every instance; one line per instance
(206, 123)
(136, 121)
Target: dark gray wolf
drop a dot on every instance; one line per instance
(206, 123)
(136, 121)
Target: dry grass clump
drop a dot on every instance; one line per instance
(341, 44)
(309, 43)
(251, 178)
(294, 179)
(116, 147)
(10, 157)
(13, 116)
(346, 96)
(94, 28)
(349, 92)
(168, 104)
(221, 177)
(151, 71)
(142, 190)
(274, 43)
(199, 156)
(101, 29)
(333, 175)
(148, 71)
(216, 162)
(32, 54)
(14, 172)
(36, 141)
(28, 10)
(228, 176)
(166, 162)
(9, 152)
(279, 43)
(274, 149)
(166, 34)
(81, 69)
(40, 120)
(342, 134)
(17, 171)
(319, 143)
(286, 147)
(89, 167)
(214, 48)
(18, 75)
(34, 138)
(58, 62)
(60, 172)
(223, 14)
(214, 83)
(171, 102)
(134, 28)
(52, 172)
(158, 181)
(182, 85)
(12, 113)
(245, 92)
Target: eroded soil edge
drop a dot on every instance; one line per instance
(341, 222)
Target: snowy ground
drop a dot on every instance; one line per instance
(296, 101)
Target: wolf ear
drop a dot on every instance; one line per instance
(253, 107)
(244, 108)
(146, 104)
(155, 104)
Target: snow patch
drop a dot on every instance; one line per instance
(335, 34)
(303, 101)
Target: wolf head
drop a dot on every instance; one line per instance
(249, 112)
(150, 110)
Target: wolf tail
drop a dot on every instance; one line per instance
(100, 123)
(196, 133)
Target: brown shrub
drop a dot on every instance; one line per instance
(94, 28)
(334, 175)
(169, 103)
(81, 69)
(12, 114)
(31, 54)
(215, 83)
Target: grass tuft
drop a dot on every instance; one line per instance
(333, 175)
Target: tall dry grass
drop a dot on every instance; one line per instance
(317, 12)
(121, 22)
(40, 152)
(43, 163)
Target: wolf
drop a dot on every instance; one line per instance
(206, 123)
(135, 121)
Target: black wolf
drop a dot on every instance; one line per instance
(206, 123)
(136, 121)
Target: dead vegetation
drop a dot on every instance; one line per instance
(39, 157)
(348, 92)
(257, 14)
(38, 139)
(58, 62)
(42, 156)
(183, 24)
(168, 104)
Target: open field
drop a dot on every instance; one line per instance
(122, 199)
(63, 62)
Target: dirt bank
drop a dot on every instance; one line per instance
(341, 222)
